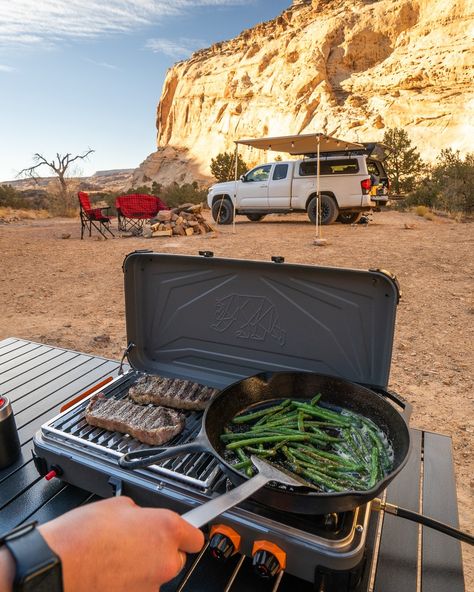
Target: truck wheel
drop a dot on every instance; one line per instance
(222, 211)
(255, 217)
(349, 218)
(329, 210)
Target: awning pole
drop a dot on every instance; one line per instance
(235, 187)
(318, 202)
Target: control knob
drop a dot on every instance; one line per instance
(224, 541)
(268, 558)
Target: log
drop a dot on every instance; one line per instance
(163, 233)
(189, 231)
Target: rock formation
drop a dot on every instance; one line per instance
(351, 68)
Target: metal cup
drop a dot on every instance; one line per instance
(9, 442)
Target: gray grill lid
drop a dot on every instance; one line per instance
(216, 321)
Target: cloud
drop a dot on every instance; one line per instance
(102, 64)
(29, 23)
(4, 68)
(175, 49)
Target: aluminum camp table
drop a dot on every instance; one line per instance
(401, 556)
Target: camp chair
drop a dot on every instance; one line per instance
(93, 217)
(134, 209)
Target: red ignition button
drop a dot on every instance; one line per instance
(2, 401)
(51, 475)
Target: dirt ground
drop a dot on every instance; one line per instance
(69, 293)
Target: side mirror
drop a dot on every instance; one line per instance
(243, 178)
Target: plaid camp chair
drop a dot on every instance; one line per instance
(93, 217)
(134, 209)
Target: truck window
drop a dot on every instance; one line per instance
(346, 166)
(280, 172)
(260, 173)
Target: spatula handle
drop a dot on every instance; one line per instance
(203, 514)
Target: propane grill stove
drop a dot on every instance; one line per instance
(297, 544)
(216, 321)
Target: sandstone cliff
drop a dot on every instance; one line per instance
(351, 68)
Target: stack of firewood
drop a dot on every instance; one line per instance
(184, 220)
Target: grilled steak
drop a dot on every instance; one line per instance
(149, 424)
(172, 392)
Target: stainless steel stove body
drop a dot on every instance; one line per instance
(216, 321)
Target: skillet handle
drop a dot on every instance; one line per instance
(407, 408)
(140, 459)
(206, 512)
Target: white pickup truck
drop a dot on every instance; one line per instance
(350, 183)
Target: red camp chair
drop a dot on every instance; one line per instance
(134, 209)
(93, 217)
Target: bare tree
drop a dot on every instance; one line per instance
(59, 166)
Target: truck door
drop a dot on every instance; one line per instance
(279, 188)
(253, 191)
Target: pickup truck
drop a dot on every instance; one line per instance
(350, 184)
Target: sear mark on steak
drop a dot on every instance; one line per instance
(148, 424)
(172, 392)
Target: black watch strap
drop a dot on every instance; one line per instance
(38, 568)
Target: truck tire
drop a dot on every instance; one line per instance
(329, 210)
(255, 217)
(222, 211)
(349, 217)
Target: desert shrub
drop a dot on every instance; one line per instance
(10, 197)
(454, 179)
(174, 195)
(403, 164)
(421, 210)
(448, 185)
(9, 213)
(223, 166)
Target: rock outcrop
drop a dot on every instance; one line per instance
(352, 68)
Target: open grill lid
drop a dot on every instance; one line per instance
(216, 321)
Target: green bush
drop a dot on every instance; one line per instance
(403, 164)
(448, 186)
(223, 167)
(174, 195)
(31, 199)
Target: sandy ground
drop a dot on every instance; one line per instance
(69, 293)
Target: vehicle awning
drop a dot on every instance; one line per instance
(301, 144)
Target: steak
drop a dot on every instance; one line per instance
(171, 392)
(148, 424)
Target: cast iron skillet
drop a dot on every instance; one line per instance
(245, 394)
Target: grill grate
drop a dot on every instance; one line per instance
(199, 470)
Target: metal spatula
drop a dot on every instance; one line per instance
(266, 472)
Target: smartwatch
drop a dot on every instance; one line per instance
(38, 568)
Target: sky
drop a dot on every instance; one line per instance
(81, 74)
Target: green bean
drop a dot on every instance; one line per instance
(255, 415)
(374, 467)
(277, 411)
(242, 465)
(324, 413)
(335, 458)
(266, 439)
(301, 421)
(323, 436)
(323, 480)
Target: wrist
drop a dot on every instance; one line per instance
(7, 570)
(36, 566)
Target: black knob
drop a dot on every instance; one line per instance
(266, 564)
(221, 547)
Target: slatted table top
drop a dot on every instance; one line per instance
(402, 557)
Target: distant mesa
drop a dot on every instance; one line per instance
(350, 68)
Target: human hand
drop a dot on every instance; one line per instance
(114, 545)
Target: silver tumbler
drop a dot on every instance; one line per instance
(9, 443)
